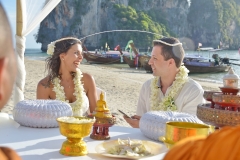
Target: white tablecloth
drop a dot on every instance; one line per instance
(45, 143)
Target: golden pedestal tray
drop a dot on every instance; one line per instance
(75, 132)
(104, 120)
(223, 109)
(217, 117)
(101, 128)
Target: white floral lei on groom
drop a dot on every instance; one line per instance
(167, 103)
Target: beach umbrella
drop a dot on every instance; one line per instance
(29, 15)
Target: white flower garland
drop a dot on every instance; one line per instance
(167, 103)
(78, 92)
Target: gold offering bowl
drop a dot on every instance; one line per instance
(226, 100)
(176, 131)
(231, 91)
(75, 131)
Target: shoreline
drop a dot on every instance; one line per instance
(122, 86)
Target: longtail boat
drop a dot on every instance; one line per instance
(198, 64)
(144, 62)
(132, 60)
(195, 64)
(104, 57)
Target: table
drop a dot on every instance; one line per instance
(45, 143)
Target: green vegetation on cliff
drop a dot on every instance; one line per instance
(130, 19)
(228, 16)
(214, 22)
(81, 10)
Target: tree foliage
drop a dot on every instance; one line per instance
(130, 19)
(228, 16)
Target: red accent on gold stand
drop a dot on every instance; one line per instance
(100, 129)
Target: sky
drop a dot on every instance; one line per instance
(10, 8)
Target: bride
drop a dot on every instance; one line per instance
(65, 81)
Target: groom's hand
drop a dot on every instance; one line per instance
(133, 121)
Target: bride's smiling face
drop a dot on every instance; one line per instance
(72, 58)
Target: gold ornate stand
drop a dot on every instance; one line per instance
(75, 132)
(101, 128)
(74, 147)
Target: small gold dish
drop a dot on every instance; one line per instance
(176, 131)
(75, 129)
(165, 141)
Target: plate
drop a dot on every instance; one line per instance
(153, 147)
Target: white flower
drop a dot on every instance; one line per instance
(50, 49)
(76, 120)
(167, 103)
(78, 92)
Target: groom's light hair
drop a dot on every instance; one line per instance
(171, 48)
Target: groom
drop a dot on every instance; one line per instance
(171, 89)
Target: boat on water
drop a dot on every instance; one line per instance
(195, 64)
(103, 57)
(205, 48)
(132, 62)
(198, 64)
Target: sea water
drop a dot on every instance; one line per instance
(37, 54)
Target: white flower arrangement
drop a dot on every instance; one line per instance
(51, 46)
(167, 103)
(78, 92)
(76, 120)
(50, 49)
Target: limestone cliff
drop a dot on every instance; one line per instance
(201, 21)
(77, 18)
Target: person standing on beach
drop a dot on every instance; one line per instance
(171, 89)
(8, 72)
(65, 81)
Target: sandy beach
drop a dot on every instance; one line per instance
(122, 86)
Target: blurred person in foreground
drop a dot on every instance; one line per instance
(220, 145)
(171, 89)
(65, 81)
(8, 72)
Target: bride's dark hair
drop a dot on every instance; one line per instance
(53, 62)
